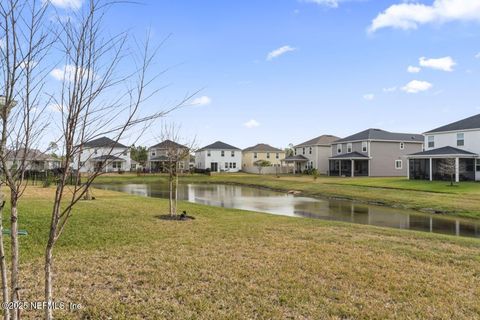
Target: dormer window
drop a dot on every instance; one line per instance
(460, 139)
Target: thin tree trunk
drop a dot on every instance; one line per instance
(48, 278)
(176, 192)
(14, 250)
(170, 198)
(3, 268)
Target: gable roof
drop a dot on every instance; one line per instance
(379, 134)
(448, 150)
(166, 144)
(472, 122)
(350, 155)
(219, 145)
(294, 158)
(103, 142)
(263, 147)
(325, 139)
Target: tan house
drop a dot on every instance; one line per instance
(259, 152)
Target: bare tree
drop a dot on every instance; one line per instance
(260, 164)
(177, 152)
(448, 167)
(24, 42)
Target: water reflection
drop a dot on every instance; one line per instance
(279, 203)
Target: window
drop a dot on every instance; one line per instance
(268, 155)
(277, 155)
(222, 153)
(95, 151)
(364, 146)
(226, 165)
(233, 153)
(431, 141)
(339, 148)
(398, 164)
(310, 150)
(153, 153)
(402, 145)
(208, 153)
(231, 165)
(477, 165)
(460, 139)
(125, 153)
(255, 155)
(234, 165)
(303, 150)
(349, 147)
(116, 165)
(295, 152)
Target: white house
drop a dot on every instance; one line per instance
(103, 154)
(459, 142)
(218, 157)
(312, 154)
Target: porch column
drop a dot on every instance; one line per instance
(339, 168)
(353, 166)
(457, 170)
(430, 169)
(408, 169)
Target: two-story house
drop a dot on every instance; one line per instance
(453, 146)
(373, 153)
(259, 152)
(103, 154)
(161, 154)
(312, 154)
(219, 156)
(33, 160)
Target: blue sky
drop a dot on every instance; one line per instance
(344, 66)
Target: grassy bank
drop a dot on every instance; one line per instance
(436, 196)
(121, 262)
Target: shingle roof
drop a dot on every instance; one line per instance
(296, 158)
(263, 147)
(29, 154)
(472, 122)
(350, 155)
(325, 139)
(378, 134)
(447, 151)
(168, 144)
(103, 142)
(219, 145)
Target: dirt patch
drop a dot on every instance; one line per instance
(180, 217)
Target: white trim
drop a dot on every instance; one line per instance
(450, 131)
(401, 164)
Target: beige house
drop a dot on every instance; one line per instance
(259, 152)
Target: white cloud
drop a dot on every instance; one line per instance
(444, 64)
(369, 96)
(251, 124)
(390, 89)
(416, 86)
(408, 15)
(326, 3)
(202, 101)
(278, 52)
(477, 55)
(67, 4)
(413, 69)
(68, 73)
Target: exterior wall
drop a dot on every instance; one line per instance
(156, 152)
(356, 147)
(248, 158)
(472, 140)
(203, 161)
(86, 158)
(318, 158)
(384, 154)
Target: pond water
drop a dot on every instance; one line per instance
(261, 200)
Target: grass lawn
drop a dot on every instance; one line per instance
(436, 196)
(121, 262)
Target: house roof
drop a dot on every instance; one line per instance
(168, 144)
(298, 158)
(472, 122)
(263, 147)
(351, 155)
(444, 151)
(325, 139)
(219, 145)
(108, 157)
(103, 142)
(379, 134)
(28, 154)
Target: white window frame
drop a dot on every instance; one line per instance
(255, 155)
(401, 164)
(364, 146)
(402, 145)
(477, 165)
(268, 155)
(339, 148)
(277, 155)
(233, 153)
(222, 153)
(209, 153)
(463, 139)
(431, 139)
(303, 150)
(349, 148)
(310, 150)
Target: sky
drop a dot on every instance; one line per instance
(286, 71)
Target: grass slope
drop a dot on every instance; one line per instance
(436, 196)
(121, 262)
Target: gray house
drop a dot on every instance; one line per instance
(373, 153)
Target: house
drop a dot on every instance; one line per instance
(164, 152)
(457, 143)
(103, 154)
(35, 160)
(259, 152)
(219, 156)
(312, 154)
(373, 153)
